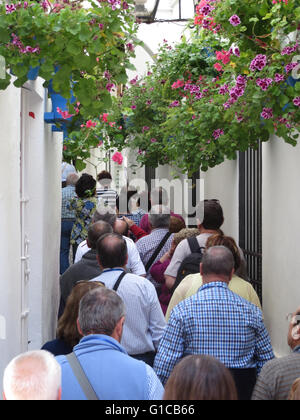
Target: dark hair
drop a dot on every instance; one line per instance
(96, 230)
(210, 214)
(219, 239)
(104, 178)
(217, 260)
(85, 186)
(112, 250)
(200, 377)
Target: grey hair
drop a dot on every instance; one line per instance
(72, 179)
(160, 217)
(35, 375)
(218, 260)
(99, 311)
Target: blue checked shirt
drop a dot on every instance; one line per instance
(215, 322)
(67, 194)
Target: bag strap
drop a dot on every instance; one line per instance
(82, 378)
(157, 251)
(194, 245)
(117, 284)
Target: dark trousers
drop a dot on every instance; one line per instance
(146, 357)
(66, 229)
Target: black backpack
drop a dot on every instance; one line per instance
(191, 264)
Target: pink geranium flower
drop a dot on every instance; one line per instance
(118, 158)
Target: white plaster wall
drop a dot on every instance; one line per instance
(42, 160)
(222, 183)
(10, 252)
(281, 229)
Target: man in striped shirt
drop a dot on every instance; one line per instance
(277, 376)
(106, 196)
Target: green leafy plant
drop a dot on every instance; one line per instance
(82, 51)
(224, 90)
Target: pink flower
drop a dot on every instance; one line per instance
(297, 101)
(64, 114)
(218, 67)
(90, 124)
(118, 158)
(264, 84)
(279, 78)
(267, 113)
(259, 62)
(218, 133)
(235, 20)
(104, 117)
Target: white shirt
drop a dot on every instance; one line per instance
(134, 264)
(144, 320)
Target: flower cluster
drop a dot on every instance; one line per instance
(259, 63)
(264, 84)
(16, 42)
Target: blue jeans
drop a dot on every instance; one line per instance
(66, 229)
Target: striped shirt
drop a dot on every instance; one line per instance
(215, 322)
(144, 319)
(277, 377)
(107, 197)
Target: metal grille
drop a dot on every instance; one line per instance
(250, 213)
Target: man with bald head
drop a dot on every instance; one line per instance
(145, 321)
(85, 269)
(215, 322)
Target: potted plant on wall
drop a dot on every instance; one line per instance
(81, 50)
(241, 96)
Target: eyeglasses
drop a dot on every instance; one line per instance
(295, 319)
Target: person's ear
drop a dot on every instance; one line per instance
(201, 269)
(79, 327)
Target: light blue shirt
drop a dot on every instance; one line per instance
(144, 320)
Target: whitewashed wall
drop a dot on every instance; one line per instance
(30, 206)
(222, 183)
(10, 244)
(281, 232)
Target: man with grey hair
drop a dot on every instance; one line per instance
(145, 322)
(111, 372)
(34, 375)
(67, 220)
(215, 322)
(109, 215)
(153, 246)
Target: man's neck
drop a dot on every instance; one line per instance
(209, 231)
(215, 278)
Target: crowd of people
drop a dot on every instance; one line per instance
(151, 309)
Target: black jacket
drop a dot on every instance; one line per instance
(85, 269)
